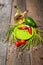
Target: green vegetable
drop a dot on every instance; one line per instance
(29, 21)
(9, 31)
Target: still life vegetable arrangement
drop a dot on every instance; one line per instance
(24, 32)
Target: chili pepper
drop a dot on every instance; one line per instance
(30, 30)
(23, 28)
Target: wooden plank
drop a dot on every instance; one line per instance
(5, 11)
(21, 5)
(35, 57)
(16, 56)
(35, 8)
(41, 55)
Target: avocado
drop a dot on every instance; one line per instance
(29, 21)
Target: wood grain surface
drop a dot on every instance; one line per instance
(36, 12)
(10, 54)
(5, 10)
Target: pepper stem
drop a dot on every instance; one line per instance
(25, 12)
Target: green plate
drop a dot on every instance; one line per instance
(22, 34)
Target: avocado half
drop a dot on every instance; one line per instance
(29, 21)
(22, 34)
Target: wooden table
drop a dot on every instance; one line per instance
(11, 55)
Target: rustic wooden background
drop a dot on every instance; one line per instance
(10, 55)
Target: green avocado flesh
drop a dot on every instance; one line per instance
(22, 34)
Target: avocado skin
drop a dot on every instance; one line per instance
(29, 21)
